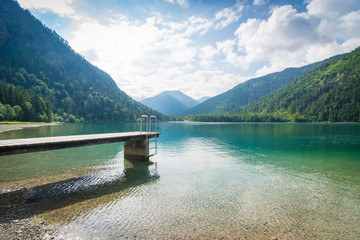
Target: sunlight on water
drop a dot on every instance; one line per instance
(247, 181)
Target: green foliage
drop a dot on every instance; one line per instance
(249, 91)
(329, 93)
(250, 117)
(22, 105)
(37, 60)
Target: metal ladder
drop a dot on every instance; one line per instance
(148, 123)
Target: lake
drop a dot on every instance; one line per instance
(208, 180)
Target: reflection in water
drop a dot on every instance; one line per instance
(48, 197)
(66, 129)
(329, 150)
(33, 169)
(244, 181)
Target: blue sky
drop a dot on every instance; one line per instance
(201, 47)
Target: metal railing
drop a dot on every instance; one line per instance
(148, 124)
(152, 117)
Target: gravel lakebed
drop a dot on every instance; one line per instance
(17, 223)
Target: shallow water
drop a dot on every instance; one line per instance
(246, 181)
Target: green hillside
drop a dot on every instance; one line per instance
(248, 91)
(330, 92)
(40, 73)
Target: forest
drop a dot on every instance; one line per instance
(43, 79)
(328, 93)
(250, 91)
(17, 104)
(38, 65)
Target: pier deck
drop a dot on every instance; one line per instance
(24, 145)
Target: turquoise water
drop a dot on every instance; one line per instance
(246, 181)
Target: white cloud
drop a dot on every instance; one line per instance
(289, 38)
(259, 2)
(338, 19)
(228, 15)
(150, 56)
(206, 55)
(228, 49)
(332, 8)
(156, 54)
(61, 7)
(209, 82)
(183, 3)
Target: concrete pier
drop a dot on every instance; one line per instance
(137, 150)
(136, 143)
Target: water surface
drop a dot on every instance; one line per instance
(246, 181)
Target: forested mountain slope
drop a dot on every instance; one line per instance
(249, 91)
(35, 61)
(330, 92)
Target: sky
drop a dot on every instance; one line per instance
(200, 47)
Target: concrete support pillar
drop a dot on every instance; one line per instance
(137, 150)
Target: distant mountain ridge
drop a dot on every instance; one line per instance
(327, 93)
(203, 99)
(35, 60)
(171, 102)
(249, 91)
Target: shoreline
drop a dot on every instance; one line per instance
(12, 127)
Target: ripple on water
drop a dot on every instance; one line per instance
(218, 181)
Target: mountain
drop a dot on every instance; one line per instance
(40, 74)
(183, 98)
(170, 102)
(203, 99)
(249, 91)
(329, 92)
